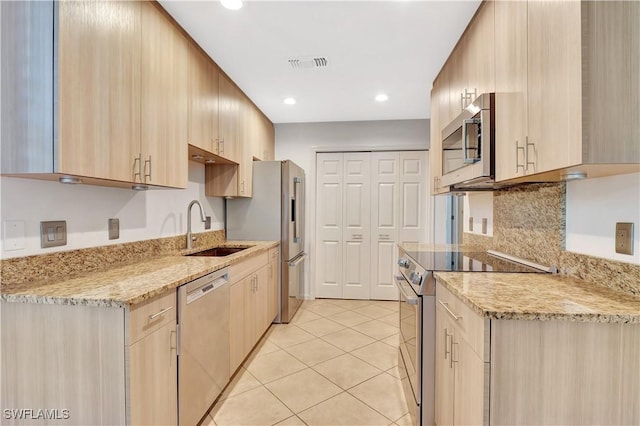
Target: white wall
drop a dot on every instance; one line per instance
(299, 142)
(593, 208)
(143, 215)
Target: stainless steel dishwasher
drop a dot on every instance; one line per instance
(203, 333)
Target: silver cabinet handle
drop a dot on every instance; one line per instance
(138, 160)
(451, 360)
(446, 343)
(157, 314)
(446, 307)
(518, 149)
(145, 169)
(383, 236)
(528, 163)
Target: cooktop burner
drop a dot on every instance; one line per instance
(466, 262)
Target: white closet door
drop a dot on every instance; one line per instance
(329, 246)
(414, 197)
(357, 225)
(385, 209)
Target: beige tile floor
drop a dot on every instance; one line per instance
(334, 364)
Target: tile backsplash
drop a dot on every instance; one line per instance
(530, 222)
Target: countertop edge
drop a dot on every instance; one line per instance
(477, 307)
(125, 302)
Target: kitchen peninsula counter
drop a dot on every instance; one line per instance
(512, 296)
(130, 284)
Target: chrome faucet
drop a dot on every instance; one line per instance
(203, 218)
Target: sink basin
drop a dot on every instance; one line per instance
(220, 251)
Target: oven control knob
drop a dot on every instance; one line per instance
(404, 263)
(415, 278)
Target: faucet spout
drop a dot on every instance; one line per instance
(203, 218)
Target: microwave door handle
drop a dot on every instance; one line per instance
(465, 147)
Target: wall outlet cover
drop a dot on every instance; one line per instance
(15, 237)
(470, 223)
(207, 222)
(114, 229)
(53, 233)
(624, 238)
(484, 225)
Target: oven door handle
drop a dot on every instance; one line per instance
(400, 283)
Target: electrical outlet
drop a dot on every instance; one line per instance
(207, 222)
(484, 225)
(15, 237)
(114, 229)
(624, 237)
(470, 224)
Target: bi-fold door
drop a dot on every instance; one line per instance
(366, 203)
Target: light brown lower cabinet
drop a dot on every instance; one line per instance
(89, 365)
(251, 310)
(518, 372)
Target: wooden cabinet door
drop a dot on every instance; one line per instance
(479, 52)
(261, 298)
(444, 369)
(203, 100)
(272, 289)
(511, 88)
(469, 384)
(153, 378)
(454, 68)
(99, 88)
(243, 147)
(164, 100)
(236, 325)
(228, 126)
(554, 70)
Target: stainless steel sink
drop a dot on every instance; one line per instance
(220, 251)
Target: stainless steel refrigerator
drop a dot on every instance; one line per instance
(275, 212)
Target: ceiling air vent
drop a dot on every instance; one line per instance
(309, 62)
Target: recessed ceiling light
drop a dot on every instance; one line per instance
(289, 101)
(231, 4)
(382, 97)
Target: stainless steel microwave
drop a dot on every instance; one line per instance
(468, 146)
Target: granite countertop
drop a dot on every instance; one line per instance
(127, 285)
(540, 297)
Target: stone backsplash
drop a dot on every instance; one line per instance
(530, 221)
(60, 264)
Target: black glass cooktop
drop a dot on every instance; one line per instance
(466, 262)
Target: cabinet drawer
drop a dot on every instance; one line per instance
(149, 316)
(239, 270)
(471, 327)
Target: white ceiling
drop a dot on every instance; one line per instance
(396, 47)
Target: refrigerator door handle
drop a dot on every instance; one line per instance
(297, 260)
(294, 210)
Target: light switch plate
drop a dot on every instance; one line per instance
(114, 229)
(624, 237)
(53, 233)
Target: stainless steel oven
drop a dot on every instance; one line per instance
(468, 146)
(416, 355)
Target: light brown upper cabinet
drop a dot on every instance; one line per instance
(470, 68)
(567, 89)
(77, 103)
(99, 88)
(229, 118)
(164, 99)
(439, 101)
(203, 101)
